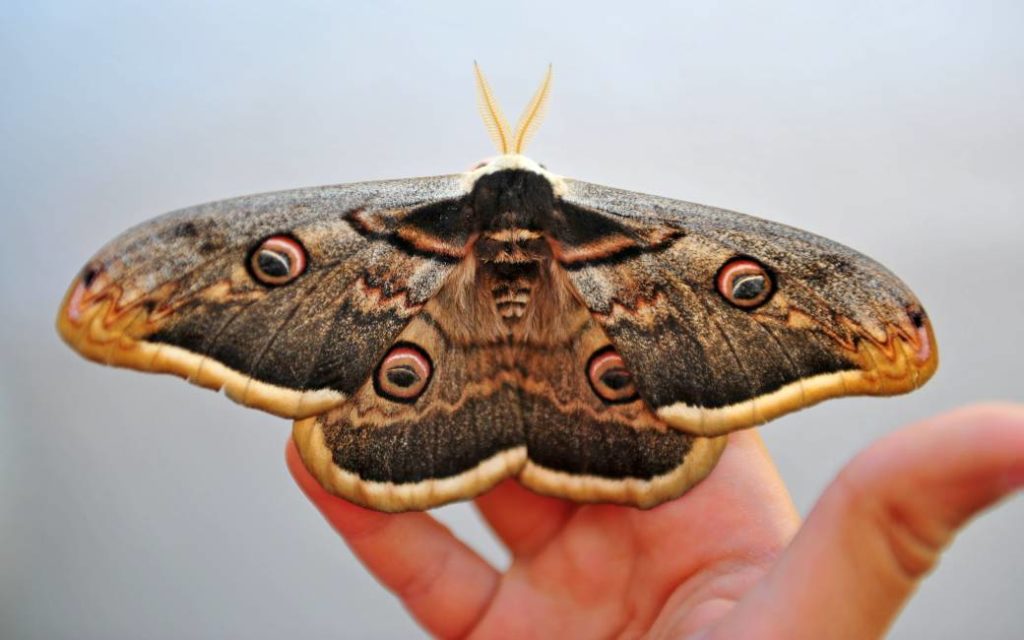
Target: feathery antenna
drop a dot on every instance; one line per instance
(495, 122)
(532, 115)
(497, 125)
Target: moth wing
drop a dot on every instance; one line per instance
(459, 437)
(837, 322)
(586, 447)
(493, 410)
(175, 295)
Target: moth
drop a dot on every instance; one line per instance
(433, 336)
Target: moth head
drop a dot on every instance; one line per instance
(511, 162)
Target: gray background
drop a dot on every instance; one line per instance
(139, 506)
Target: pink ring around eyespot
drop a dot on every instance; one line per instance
(603, 362)
(737, 267)
(409, 357)
(597, 363)
(404, 352)
(290, 247)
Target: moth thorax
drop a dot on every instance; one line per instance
(512, 246)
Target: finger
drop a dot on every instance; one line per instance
(721, 537)
(444, 584)
(683, 552)
(882, 524)
(741, 509)
(523, 520)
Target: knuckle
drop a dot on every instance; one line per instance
(909, 534)
(914, 540)
(418, 584)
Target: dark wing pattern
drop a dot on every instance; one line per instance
(177, 295)
(838, 323)
(494, 409)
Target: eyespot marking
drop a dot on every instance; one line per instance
(404, 373)
(745, 283)
(277, 260)
(609, 377)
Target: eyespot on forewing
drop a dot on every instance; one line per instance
(277, 260)
(745, 283)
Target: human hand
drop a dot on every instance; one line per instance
(730, 559)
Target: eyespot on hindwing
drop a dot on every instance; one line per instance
(609, 377)
(404, 373)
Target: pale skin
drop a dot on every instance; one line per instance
(729, 559)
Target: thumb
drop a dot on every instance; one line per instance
(880, 526)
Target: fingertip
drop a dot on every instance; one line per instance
(1002, 426)
(291, 457)
(979, 445)
(914, 489)
(345, 517)
(524, 520)
(995, 411)
(1002, 420)
(444, 583)
(882, 524)
(510, 491)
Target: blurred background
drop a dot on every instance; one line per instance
(137, 506)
